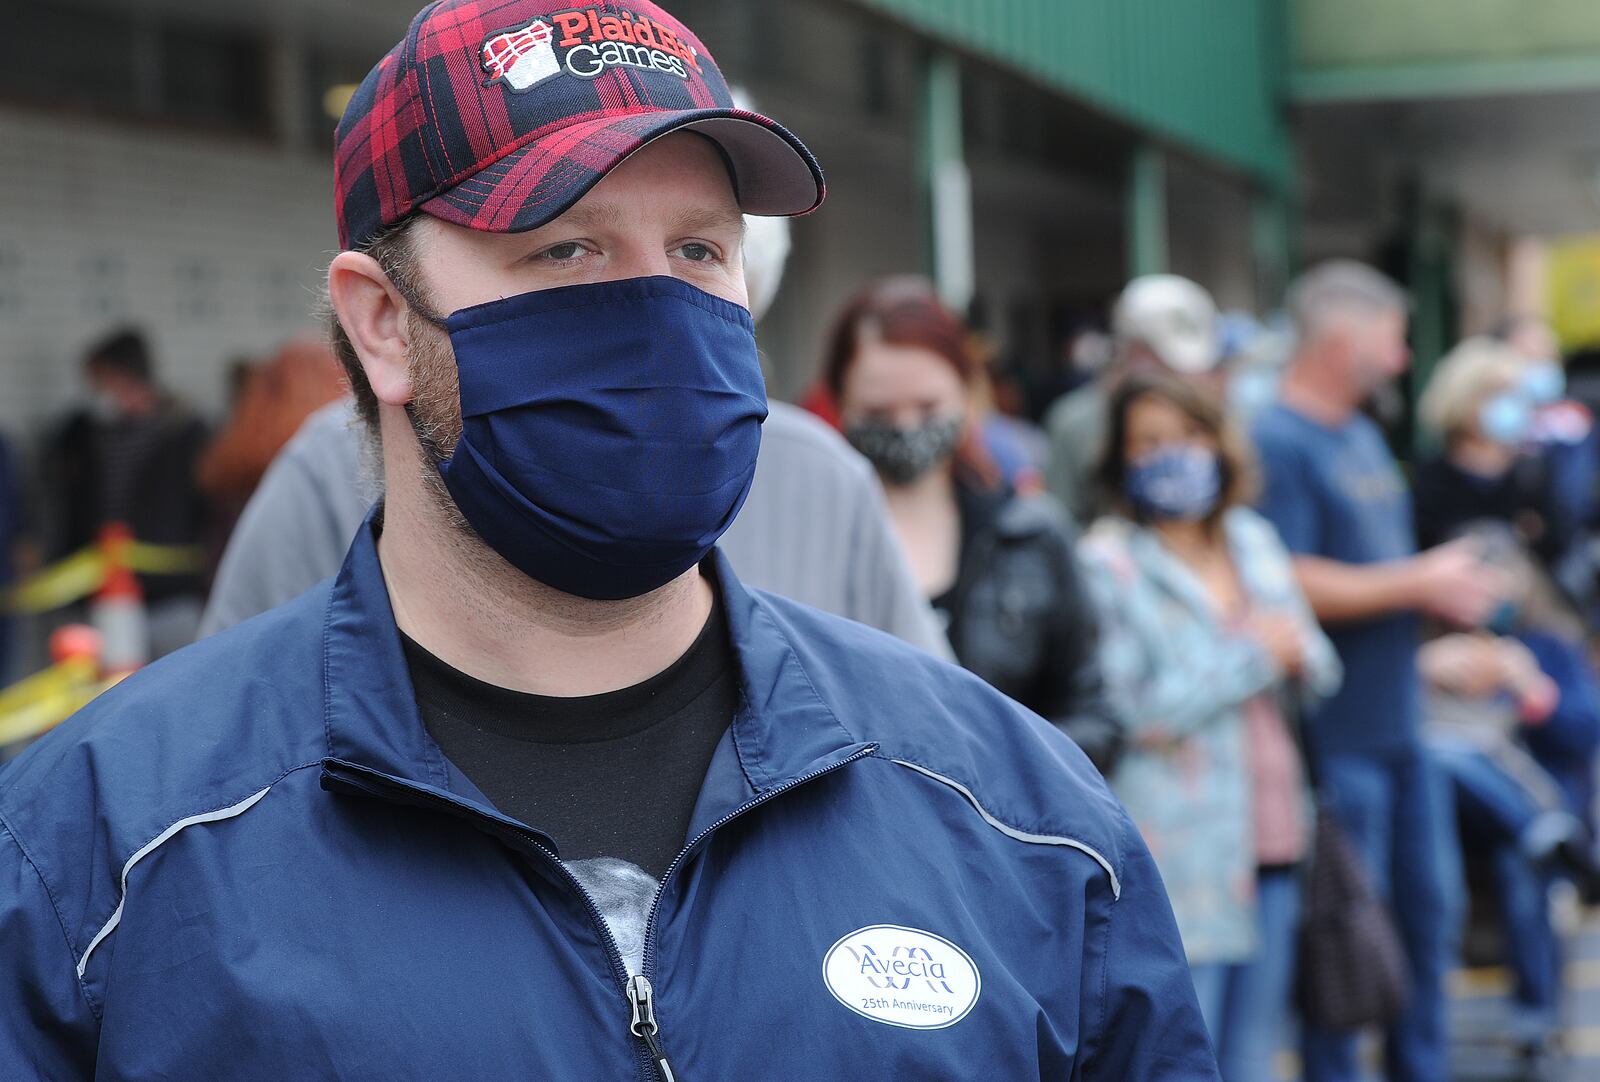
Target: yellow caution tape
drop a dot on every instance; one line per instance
(150, 559)
(82, 574)
(77, 576)
(44, 700)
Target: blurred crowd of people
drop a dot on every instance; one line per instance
(1271, 633)
(1206, 565)
(134, 453)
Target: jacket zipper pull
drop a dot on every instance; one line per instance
(642, 997)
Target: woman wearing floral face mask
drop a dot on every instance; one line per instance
(997, 567)
(1205, 630)
(1481, 404)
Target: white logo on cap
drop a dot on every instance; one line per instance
(902, 977)
(587, 43)
(523, 58)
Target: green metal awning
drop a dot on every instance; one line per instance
(1363, 50)
(1207, 76)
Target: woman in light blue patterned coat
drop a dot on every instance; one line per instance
(1204, 630)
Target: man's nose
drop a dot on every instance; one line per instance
(641, 262)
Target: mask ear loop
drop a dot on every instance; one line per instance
(425, 311)
(409, 294)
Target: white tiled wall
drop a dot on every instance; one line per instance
(214, 245)
(217, 246)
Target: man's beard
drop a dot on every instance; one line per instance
(435, 413)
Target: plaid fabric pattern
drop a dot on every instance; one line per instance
(469, 121)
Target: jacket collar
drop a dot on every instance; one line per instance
(781, 732)
(369, 708)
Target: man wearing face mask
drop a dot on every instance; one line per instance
(814, 527)
(1335, 494)
(534, 788)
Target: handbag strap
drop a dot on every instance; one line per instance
(1294, 717)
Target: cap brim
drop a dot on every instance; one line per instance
(773, 172)
(1189, 354)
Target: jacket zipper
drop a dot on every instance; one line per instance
(642, 998)
(641, 994)
(638, 989)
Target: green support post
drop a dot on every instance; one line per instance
(946, 184)
(1433, 297)
(1147, 212)
(1272, 245)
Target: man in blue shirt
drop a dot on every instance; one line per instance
(1337, 496)
(534, 788)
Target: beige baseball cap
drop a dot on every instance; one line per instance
(1175, 317)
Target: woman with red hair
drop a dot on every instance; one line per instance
(997, 567)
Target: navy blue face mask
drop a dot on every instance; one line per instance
(609, 431)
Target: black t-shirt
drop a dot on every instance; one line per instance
(613, 775)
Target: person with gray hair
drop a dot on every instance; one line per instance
(1336, 290)
(1335, 493)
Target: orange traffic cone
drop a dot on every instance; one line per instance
(72, 641)
(117, 611)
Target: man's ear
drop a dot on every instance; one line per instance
(372, 313)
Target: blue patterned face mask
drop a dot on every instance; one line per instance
(609, 430)
(1178, 482)
(1506, 418)
(1545, 382)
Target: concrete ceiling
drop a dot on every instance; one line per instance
(1527, 163)
(364, 23)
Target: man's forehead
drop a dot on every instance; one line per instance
(687, 215)
(680, 178)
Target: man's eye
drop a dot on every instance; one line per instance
(563, 252)
(695, 252)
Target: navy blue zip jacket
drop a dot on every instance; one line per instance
(251, 861)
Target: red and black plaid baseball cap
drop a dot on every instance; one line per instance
(500, 114)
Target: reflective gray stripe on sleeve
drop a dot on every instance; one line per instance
(1020, 835)
(150, 847)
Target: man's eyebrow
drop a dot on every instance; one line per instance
(695, 219)
(708, 220)
(588, 215)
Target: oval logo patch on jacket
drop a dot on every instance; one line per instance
(902, 976)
